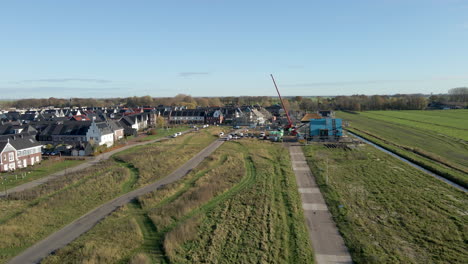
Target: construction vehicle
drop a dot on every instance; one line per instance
(289, 127)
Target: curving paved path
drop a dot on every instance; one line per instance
(64, 236)
(327, 243)
(82, 166)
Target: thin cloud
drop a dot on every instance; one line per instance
(63, 80)
(346, 83)
(189, 74)
(40, 92)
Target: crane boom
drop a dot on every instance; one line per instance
(290, 124)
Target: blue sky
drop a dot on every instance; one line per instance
(111, 48)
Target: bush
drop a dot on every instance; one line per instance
(152, 131)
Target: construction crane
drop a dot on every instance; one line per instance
(290, 126)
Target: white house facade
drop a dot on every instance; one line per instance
(100, 134)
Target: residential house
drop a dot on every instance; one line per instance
(19, 152)
(117, 129)
(69, 132)
(134, 122)
(214, 117)
(100, 134)
(188, 116)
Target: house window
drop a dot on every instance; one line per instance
(11, 156)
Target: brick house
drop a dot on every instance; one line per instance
(19, 152)
(214, 117)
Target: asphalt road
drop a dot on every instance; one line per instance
(82, 166)
(64, 236)
(327, 243)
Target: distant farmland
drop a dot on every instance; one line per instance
(436, 140)
(388, 211)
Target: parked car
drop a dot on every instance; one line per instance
(175, 135)
(179, 133)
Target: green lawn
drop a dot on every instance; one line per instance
(388, 211)
(452, 123)
(435, 146)
(45, 168)
(240, 205)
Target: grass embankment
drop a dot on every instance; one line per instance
(30, 216)
(240, 205)
(163, 132)
(427, 147)
(45, 168)
(159, 160)
(388, 211)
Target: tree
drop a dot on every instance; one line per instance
(160, 121)
(459, 94)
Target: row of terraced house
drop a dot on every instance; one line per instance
(79, 131)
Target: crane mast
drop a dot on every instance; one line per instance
(290, 124)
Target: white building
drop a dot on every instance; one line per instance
(100, 133)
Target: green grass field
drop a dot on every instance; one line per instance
(433, 139)
(240, 205)
(388, 211)
(452, 123)
(30, 216)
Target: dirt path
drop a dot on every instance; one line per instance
(61, 238)
(327, 243)
(82, 166)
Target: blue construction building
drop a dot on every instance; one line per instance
(325, 129)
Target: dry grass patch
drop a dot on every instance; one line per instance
(214, 182)
(102, 248)
(388, 211)
(162, 158)
(262, 223)
(58, 208)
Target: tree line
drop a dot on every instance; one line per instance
(455, 96)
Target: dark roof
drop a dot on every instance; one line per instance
(28, 116)
(13, 115)
(10, 129)
(104, 128)
(19, 142)
(69, 128)
(2, 145)
(114, 125)
(127, 121)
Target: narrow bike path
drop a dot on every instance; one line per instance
(327, 243)
(64, 236)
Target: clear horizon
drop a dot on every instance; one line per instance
(106, 49)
